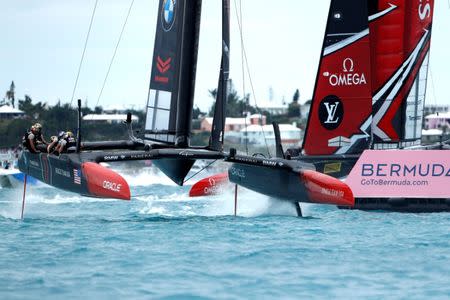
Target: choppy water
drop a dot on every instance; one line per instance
(168, 246)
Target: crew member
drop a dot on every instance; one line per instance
(54, 141)
(71, 140)
(34, 140)
(67, 141)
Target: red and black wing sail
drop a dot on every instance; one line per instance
(341, 110)
(400, 45)
(171, 94)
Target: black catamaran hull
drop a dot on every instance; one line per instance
(291, 180)
(81, 172)
(68, 172)
(279, 178)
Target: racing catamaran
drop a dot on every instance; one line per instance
(365, 121)
(168, 120)
(367, 105)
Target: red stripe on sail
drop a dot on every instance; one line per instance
(386, 123)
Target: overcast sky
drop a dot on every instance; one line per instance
(42, 42)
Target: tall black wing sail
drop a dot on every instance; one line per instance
(171, 94)
(216, 141)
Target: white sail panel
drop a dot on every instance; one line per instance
(161, 120)
(411, 111)
(415, 104)
(158, 111)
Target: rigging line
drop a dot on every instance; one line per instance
(432, 86)
(84, 51)
(251, 83)
(256, 104)
(201, 170)
(243, 76)
(114, 54)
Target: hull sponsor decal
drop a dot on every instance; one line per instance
(331, 112)
(332, 168)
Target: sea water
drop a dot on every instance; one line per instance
(165, 245)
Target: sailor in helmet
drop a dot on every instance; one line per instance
(71, 141)
(54, 141)
(66, 141)
(34, 140)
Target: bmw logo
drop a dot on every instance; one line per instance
(168, 14)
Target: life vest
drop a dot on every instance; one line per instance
(38, 137)
(71, 141)
(26, 141)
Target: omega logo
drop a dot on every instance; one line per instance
(348, 76)
(348, 62)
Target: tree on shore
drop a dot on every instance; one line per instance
(11, 94)
(294, 106)
(60, 117)
(236, 106)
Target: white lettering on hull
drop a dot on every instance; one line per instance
(62, 172)
(115, 187)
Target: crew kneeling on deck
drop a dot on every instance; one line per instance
(33, 139)
(54, 140)
(66, 141)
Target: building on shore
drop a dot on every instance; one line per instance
(234, 124)
(274, 109)
(253, 130)
(291, 136)
(108, 118)
(434, 109)
(430, 136)
(9, 112)
(120, 109)
(438, 121)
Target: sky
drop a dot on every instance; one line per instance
(42, 44)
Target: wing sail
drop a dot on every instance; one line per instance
(217, 134)
(400, 43)
(341, 108)
(171, 94)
